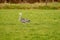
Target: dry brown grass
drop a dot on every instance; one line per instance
(30, 6)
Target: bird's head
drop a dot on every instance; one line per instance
(20, 14)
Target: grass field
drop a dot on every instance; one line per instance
(44, 24)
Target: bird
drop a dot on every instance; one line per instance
(23, 20)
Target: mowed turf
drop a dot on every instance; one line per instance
(43, 25)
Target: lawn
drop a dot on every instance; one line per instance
(43, 25)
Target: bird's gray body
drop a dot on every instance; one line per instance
(23, 20)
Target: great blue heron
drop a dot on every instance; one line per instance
(23, 20)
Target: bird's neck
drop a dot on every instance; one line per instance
(20, 16)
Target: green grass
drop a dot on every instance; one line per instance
(44, 24)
